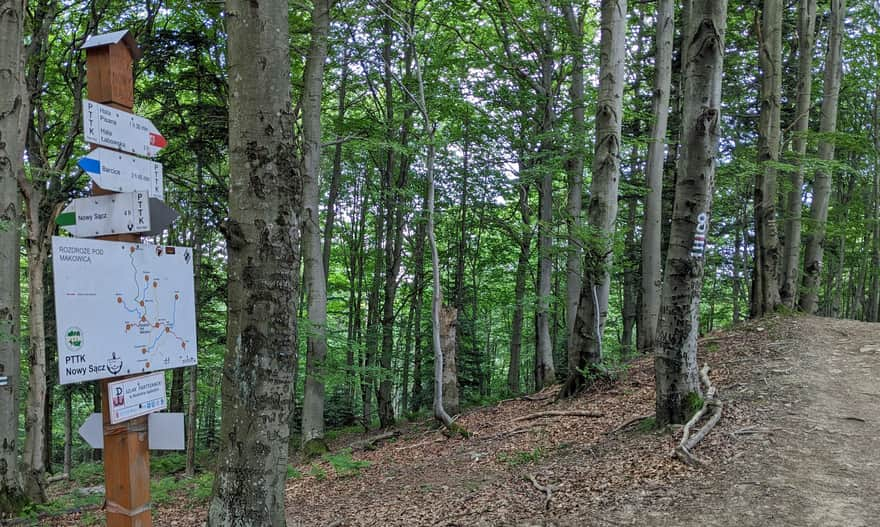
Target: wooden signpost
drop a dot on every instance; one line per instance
(126, 454)
(149, 322)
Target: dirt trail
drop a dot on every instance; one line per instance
(799, 445)
(814, 460)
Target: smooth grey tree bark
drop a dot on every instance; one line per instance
(448, 331)
(418, 296)
(314, 279)
(585, 344)
(524, 241)
(651, 232)
(765, 297)
(13, 130)
(809, 300)
(873, 309)
(574, 166)
(263, 242)
(675, 351)
(545, 370)
(806, 28)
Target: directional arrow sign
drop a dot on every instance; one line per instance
(120, 172)
(128, 212)
(107, 126)
(93, 431)
(110, 214)
(164, 431)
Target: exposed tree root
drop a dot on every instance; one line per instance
(573, 385)
(454, 429)
(629, 423)
(546, 489)
(557, 413)
(688, 441)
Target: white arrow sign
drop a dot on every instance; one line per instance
(107, 126)
(120, 172)
(93, 431)
(128, 212)
(110, 214)
(164, 431)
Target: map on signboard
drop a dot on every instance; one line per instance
(122, 308)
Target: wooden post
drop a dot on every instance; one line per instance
(126, 454)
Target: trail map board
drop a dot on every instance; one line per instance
(122, 308)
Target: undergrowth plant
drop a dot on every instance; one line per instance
(344, 464)
(521, 457)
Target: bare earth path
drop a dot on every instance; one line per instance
(814, 460)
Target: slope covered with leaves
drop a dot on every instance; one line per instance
(796, 446)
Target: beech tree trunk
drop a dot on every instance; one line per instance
(766, 277)
(314, 278)
(418, 295)
(519, 290)
(33, 462)
(13, 116)
(585, 344)
(574, 166)
(873, 309)
(675, 352)
(440, 412)
(448, 324)
(545, 370)
(263, 247)
(809, 300)
(651, 235)
(794, 202)
(68, 431)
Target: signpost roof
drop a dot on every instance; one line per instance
(106, 39)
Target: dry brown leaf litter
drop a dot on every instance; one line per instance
(424, 478)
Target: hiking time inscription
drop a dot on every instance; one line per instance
(122, 308)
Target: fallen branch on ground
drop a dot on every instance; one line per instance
(531, 398)
(512, 432)
(423, 443)
(536, 398)
(370, 442)
(58, 477)
(546, 489)
(557, 413)
(688, 442)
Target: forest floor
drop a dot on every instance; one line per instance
(798, 445)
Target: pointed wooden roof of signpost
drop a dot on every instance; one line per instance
(109, 61)
(106, 39)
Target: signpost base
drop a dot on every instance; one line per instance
(126, 469)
